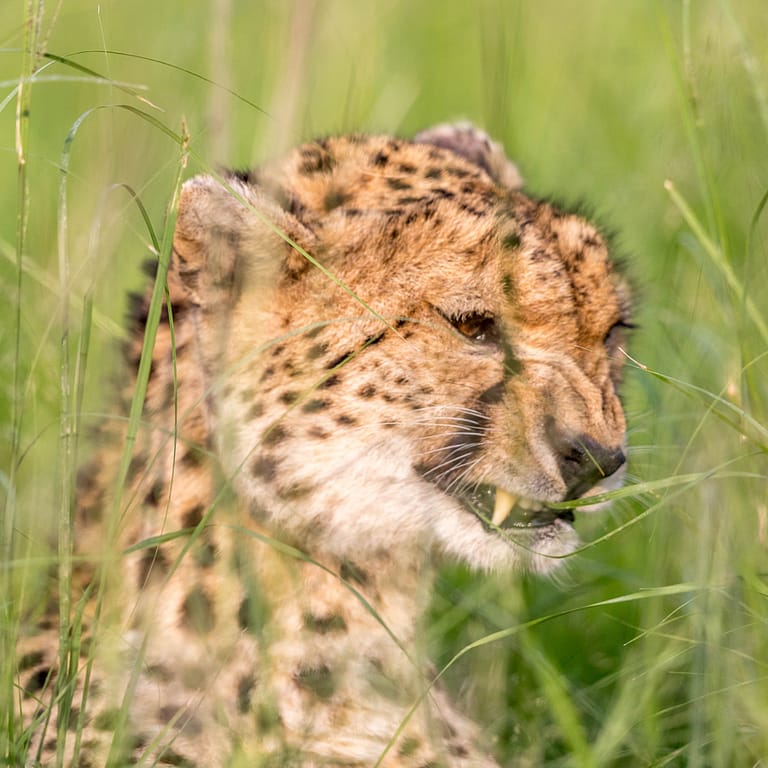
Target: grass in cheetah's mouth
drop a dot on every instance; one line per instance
(505, 510)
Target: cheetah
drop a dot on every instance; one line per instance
(376, 355)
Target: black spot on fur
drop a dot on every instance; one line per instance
(256, 411)
(375, 338)
(316, 350)
(245, 175)
(337, 361)
(169, 394)
(351, 572)
(136, 466)
(409, 745)
(380, 159)
(318, 680)
(155, 494)
(195, 456)
(88, 478)
(267, 719)
(74, 716)
(264, 468)
(510, 241)
(324, 624)
(177, 714)
(159, 672)
(367, 391)
(315, 405)
(289, 397)
(172, 757)
(193, 517)
(107, 719)
(36, 681)
(153, 564)
(334, 198)
(274, 435)
(29, 660)
(397, 183)
(294, 492)
(205, 554)
(331, 381)
(457, 173)
(251, 614)
(197, 611)
(345, 420)
(433, 173)
(169, 712)
(316, 160)
(245, 686)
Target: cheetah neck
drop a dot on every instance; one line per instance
(342, 652)
(346, 671)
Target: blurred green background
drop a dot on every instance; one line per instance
(601, 102)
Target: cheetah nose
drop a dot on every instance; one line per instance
(584, 462)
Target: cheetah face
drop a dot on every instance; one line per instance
(441, 368)
(544, 341)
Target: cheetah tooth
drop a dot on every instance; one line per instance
(503, 505)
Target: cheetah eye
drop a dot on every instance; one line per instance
(477, 327)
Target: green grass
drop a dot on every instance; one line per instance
(652, 647)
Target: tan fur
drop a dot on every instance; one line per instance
(336, 429)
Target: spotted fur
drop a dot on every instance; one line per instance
(364, 339)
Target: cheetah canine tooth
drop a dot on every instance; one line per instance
(502, 506)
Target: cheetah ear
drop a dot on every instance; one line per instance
(230, 239)
(476, 146)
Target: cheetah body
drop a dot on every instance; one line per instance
(366, 339)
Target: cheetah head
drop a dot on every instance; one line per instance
(402, 350)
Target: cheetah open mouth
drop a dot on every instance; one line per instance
(506, 510)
